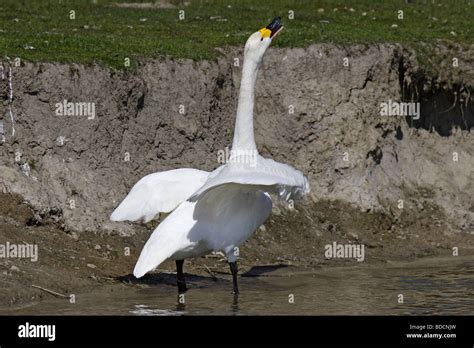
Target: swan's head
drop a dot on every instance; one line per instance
(258, 42)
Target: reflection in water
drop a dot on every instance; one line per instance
(234, 308)
(442, 286)
(181, 303)
(144, 310)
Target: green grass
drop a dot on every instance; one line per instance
(107, 34)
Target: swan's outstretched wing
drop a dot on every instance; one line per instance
(266, 174)
(159, 193)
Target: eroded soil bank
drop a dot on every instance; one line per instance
(61, 176)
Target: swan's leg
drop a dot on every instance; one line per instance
(234, 270)
(180, 276)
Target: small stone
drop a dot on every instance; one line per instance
(14, 269)
(90, 265)
(354, 235)
(73, 235)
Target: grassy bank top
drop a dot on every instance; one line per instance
(108, 32)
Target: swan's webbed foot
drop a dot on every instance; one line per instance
(181, 282)
(234, 270)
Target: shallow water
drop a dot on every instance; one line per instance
(436, 286)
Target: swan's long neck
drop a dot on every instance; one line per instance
(243, 135)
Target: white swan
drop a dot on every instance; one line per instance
(214, 211)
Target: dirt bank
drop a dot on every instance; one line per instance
(63, 175)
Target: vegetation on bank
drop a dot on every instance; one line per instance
(109, 31)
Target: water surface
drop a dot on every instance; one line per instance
(436, 286)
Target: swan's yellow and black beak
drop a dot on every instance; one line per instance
(272, 29)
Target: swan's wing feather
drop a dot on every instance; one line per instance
(266, 174)
(170, 236)
(159, 193)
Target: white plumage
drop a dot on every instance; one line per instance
(159, 193)
(269, 175)
(214, 211)
(220, 223)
